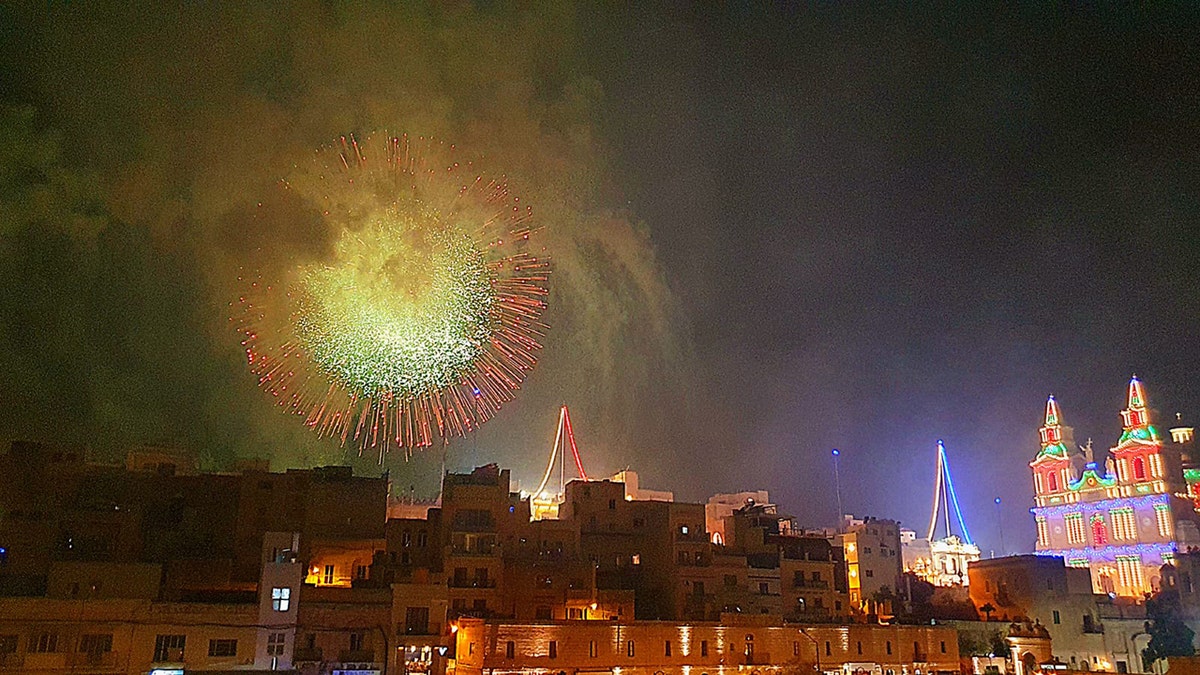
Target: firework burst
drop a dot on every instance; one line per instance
(424, 316)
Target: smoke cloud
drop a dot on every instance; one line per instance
(137, 141)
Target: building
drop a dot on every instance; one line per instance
(1123, 518)
(721, 506)
(1088, 631)
(635, 492)
(873, 562)
(673, 648)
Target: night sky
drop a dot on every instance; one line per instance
(776, 230)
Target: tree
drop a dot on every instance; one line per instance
(1169, 635)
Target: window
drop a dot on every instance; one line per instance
(889, 646)
(704, 648)
(94, 643)
(169, 648)
(510, 649)
(637, 559)
(422, 539)
(868, 573)
(275, 644)
(554, 649)
(629, 648)
(828, 650)
(43, 643)
(357, 641)
(612, 505)
(730, 580)
(763, 588)
(592, 649)
(222, 647)
(416, 621)
(406, 539)
(667, 648)
(1129, 573)
(683, 529)
(1099, 530)
(360, 572)
(1043, 533)
(858, 646)
(543, 613)
(329, 574)
(1162, 515)
(1053, 481)
(795, 649)
(943, 646)
(1075, 529)
(1057, 617)
(281, 598)
(1139, 468)
(1124, 524)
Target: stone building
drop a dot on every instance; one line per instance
(680, 648)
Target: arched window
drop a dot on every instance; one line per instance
(1099, 531)
(1052, 481)
(1139, 468)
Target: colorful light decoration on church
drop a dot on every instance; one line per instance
(1130, 494)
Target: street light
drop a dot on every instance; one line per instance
(1000, 526)
(837, 483)
(816, 645)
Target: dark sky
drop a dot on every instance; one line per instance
(778, 230)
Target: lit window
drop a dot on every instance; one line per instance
(1162, 515)
(281, 599)
(683, 529)
(1076, 533)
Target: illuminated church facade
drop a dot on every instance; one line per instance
(1124, 519)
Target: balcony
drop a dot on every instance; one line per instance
(819, 584)
(356, 656)
(96, 661)
(755, 659)
(313, 654)
(479, 549)
(471, 583)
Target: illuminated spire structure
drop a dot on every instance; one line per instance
(545, 505)
(1135, 418)
(1052, 469)
(948, 557)
(943, 492)
(1138, 453)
